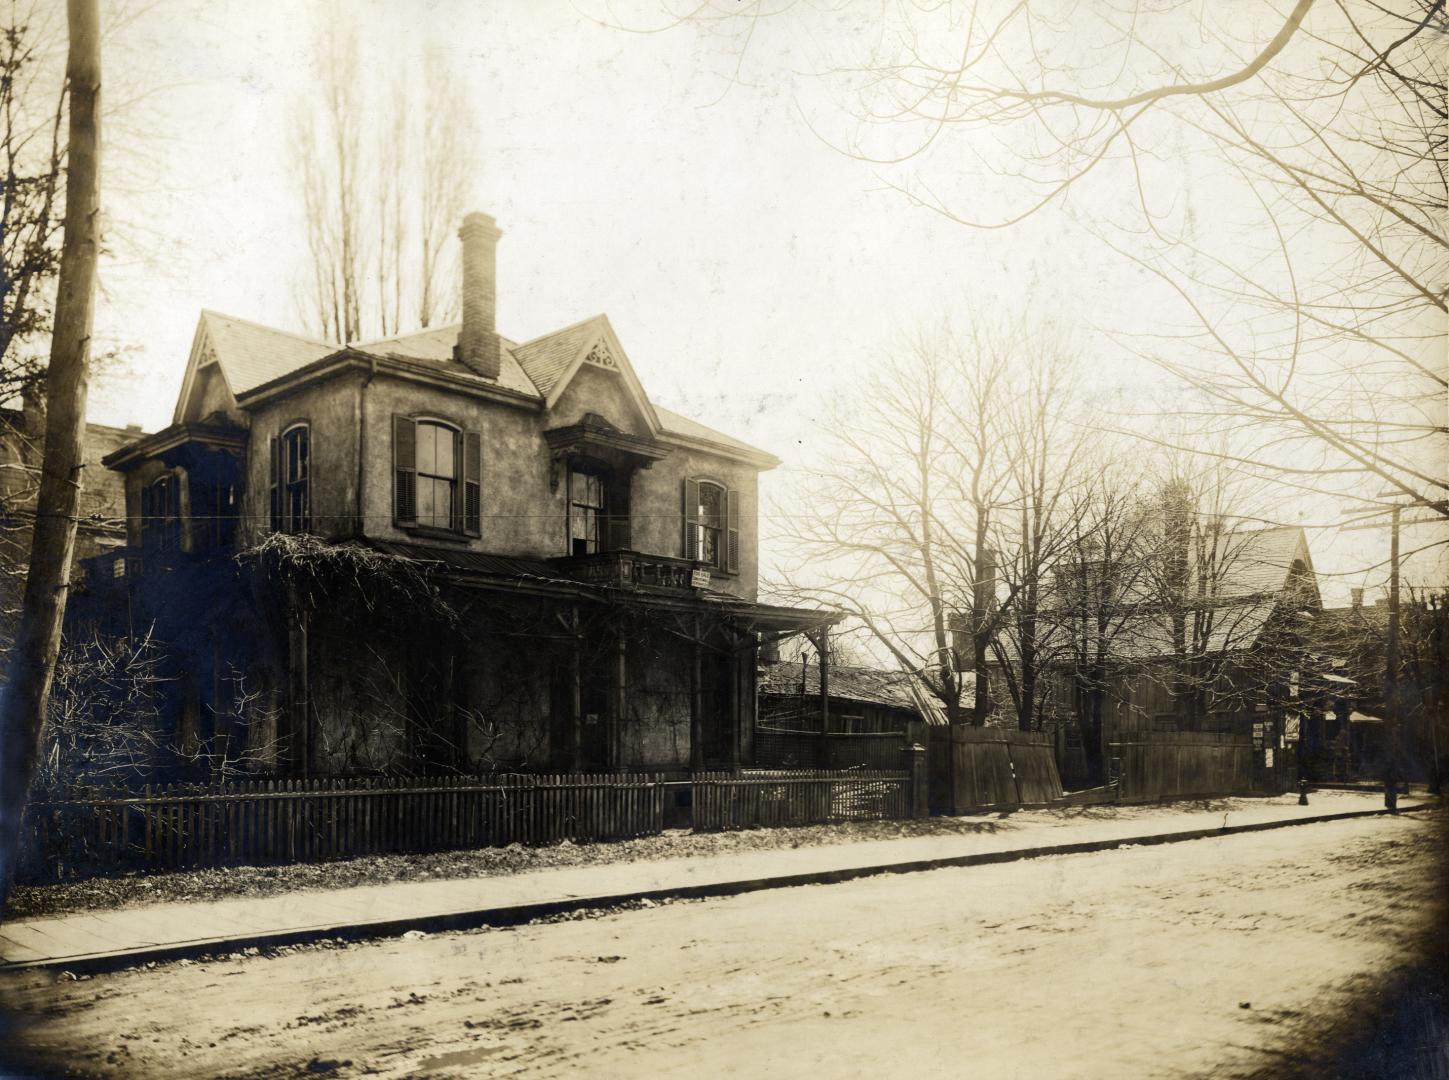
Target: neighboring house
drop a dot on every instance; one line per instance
(1231, 661)
(102, 519)
(1350, 735)
(443, 551)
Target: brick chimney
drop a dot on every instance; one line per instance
(1357, 597)
(478, 346)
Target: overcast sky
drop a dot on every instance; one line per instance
(750, 271)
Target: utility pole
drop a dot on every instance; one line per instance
(1391, 677)
(1392, 734)
(52, 543)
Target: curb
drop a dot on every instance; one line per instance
(514, 914)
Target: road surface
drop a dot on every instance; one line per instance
(1224, 957)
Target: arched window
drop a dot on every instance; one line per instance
(297, 508)
(161, 514)
(711, 525)
(437, 474)
(292, 480)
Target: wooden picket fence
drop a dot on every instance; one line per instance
(179, 826)
(773, 798)
(173, 826)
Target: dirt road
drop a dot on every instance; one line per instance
(1210, 957)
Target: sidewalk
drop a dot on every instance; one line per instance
(98, 940)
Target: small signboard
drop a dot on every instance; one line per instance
(1268, 758)
(699, 579)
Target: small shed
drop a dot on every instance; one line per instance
(863, 701)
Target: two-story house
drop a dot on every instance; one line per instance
(443, 551)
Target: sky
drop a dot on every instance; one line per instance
(752, 272)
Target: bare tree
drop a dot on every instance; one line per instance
(383, 175)
(1048, 438)
(903, 519)
(32, 663)
(32, 155)
(1315, 303)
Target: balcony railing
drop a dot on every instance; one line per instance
(634, 569)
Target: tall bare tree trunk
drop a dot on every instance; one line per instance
(32, 665)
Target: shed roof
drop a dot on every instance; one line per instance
(874, 686)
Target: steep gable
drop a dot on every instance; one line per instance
(243, 355)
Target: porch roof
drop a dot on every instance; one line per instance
(512, 574)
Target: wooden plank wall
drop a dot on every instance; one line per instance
(995, 767)
(1184, 764)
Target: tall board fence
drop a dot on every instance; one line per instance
(1185, 764)
(984, 768)
(176, 826)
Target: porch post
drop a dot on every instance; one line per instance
(822, 647)
(621, 705)
(576, 704)
(696, 706)
(737, 700)
(299, 705)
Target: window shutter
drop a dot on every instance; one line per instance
(732, 531)
(473, 483)
(617, 503)
(691, 520)
(405, 470)
(274, 472)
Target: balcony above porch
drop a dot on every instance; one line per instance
(634, 569)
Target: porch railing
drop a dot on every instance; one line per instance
(630, 568)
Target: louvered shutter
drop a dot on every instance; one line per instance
(472, 483)
(732, 531)
(274, 473)
(617, 501)
(691, 520)
(404, 470)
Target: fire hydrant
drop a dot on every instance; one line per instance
(1302, 792)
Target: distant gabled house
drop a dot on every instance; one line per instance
(101, 525)
(442, 551)
(1229, 656)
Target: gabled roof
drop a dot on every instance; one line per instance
(1257, 573)
(1263, 560)
(552, 359)
(250, 355)
(247, 353)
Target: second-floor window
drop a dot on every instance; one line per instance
(712, 525)
(587, 509)
(292, 480)
(436, 476)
